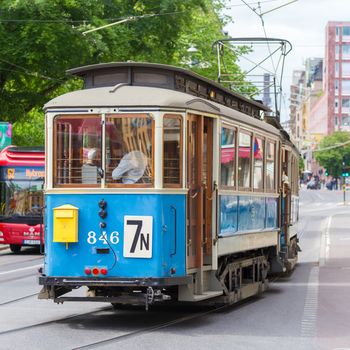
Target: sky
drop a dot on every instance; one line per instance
(302, 23)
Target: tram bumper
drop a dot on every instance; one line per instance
(54, 287)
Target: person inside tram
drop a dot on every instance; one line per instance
(130, 168)
(89, 169)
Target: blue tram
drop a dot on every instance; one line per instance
(163, 185)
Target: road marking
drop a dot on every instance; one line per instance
(325, 243)
(308, 321)
(21, 269)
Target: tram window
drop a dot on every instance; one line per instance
(172, 160)
(129, 150)
(227, 157)
(78, 150)
(244, 155)
(270, 165)
(258, 157)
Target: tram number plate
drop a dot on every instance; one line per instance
(31, 241)
(138, 236)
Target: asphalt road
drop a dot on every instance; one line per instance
(307, 310)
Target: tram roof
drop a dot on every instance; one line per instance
(141, 97)
(168, 77)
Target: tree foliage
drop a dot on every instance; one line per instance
(332, 158)
(40, 40)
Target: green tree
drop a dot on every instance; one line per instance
(333, 150)
(40, 40)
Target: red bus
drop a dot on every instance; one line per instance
(22, 172)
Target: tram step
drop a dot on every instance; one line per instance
(207, 295)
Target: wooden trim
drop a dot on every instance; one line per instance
(263, 139)
(276, 156)
(208, 195)
(246, 132)
(173, 185)
(57, 148)
(144, 115)
(231, 127)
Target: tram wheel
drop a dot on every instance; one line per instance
(15, 248)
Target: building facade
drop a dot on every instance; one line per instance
(336, 83)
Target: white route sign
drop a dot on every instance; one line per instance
(138, 236)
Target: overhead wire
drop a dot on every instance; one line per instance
(29, 72)
(260, 14)
(82, 21)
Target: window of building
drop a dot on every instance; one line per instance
(129, 150)
(77, 150)
(258, 158)
(337, 49)
(346, 50)
(336, 103)
(345, 103)
(346, 31)
(336, 69)
(172, 151)
(244, 155)
(346, 69)
(270, 165)
(337, 31)
(336, 86)
(228, 157)
(335, 120)
(345, 121)
(345, 87)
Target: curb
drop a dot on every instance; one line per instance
(3, 247)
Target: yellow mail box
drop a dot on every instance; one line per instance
(65, 224)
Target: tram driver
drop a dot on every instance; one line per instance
(130, 168)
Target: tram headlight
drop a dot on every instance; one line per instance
(102, 213)
(102, 204)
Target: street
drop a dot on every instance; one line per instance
(307, 310)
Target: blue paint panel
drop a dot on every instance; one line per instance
(271, 212)
(167, 252)
(228, 215)
(239, 214)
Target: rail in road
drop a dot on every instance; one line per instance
(306, 310)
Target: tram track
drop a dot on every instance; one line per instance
(18, 299)
(21, 262)
(147, 330)
(45, 323)
(119, 338)
(11, 279)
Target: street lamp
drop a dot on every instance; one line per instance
(193, 60)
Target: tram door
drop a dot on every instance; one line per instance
(286, 195)
(199, 183)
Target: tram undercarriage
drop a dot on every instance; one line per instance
(237, 278)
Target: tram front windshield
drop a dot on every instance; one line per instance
(21, 198)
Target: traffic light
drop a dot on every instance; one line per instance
(345, 172)
(326, 173)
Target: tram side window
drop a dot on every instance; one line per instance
(244, 155)
(227, 157)
(270, 166)
(172, 160)
(78, 150)
(258, 157)
(129, 150)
